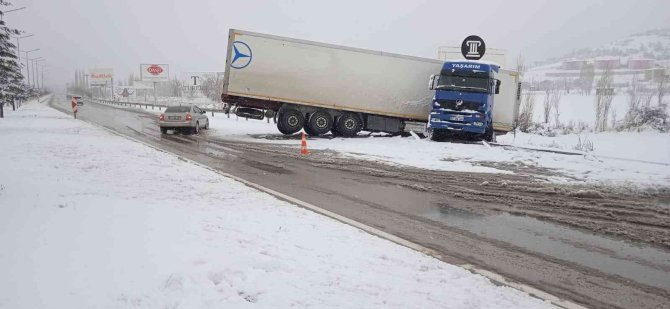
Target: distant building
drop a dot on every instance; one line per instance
(656, 74)
(607, 63)
(641, 64)
(573, 64)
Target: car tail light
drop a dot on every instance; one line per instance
(188, 117)
(162, 117)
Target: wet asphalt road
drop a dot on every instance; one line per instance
(595, 270)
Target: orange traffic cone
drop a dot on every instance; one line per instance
(303, 147)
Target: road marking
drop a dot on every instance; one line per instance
(497, 278)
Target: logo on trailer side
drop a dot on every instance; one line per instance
(473, 48)
(242, 55)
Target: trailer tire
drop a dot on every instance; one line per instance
(349, 124)
(309, 131)
(334, 130)
(290, 121)
(164, 130)
(319, 123)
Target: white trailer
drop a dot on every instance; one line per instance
(506, 103)
(324, 87)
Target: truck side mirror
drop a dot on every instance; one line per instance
(497, 86)
(433, 80)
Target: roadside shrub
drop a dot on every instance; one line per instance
(647, 118)
(575, 127)
(584, 145)
(526, 115)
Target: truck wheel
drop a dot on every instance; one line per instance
(435, 135)
(334, 130)
(319, 123)
(163, 130)
(309, 131)
(488, 134)
(349, 124)
(290, 121)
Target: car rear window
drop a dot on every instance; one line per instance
(178, 109)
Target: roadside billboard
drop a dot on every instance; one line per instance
(193, 82)
(154, 72)
(100, 77)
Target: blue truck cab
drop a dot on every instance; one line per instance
(463, 100)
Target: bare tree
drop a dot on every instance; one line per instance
(212, 87)
(175, 86)
(603, 104)
(521, 64)
(526, 115)
(634, 101)
(586, 77)
(662, 88)
(548, 94)
(555, 102)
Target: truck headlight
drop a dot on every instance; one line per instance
(479, 124)
(435, 119)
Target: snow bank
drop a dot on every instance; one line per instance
(92, 220)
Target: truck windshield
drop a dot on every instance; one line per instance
(463, 83)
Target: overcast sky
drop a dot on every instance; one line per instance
(191, 35)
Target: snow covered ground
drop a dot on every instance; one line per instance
(89, 219)
(616, 158)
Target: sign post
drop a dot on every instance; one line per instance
(473, 48)
(155, 73)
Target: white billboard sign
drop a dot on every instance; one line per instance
(192, 82)
(100, 77)
(154, 72)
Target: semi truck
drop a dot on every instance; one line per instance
(473, 98)
(323, 87)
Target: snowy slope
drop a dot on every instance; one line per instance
(92, 220)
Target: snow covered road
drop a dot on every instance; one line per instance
(90, 219)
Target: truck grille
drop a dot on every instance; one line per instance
(451, 104)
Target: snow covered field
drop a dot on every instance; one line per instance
(89, 219)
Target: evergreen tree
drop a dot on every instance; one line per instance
(11, 79)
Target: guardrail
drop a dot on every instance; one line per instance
(147, 105)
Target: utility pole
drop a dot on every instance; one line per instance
(18, 45)
(35, 70)
(28, 62)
